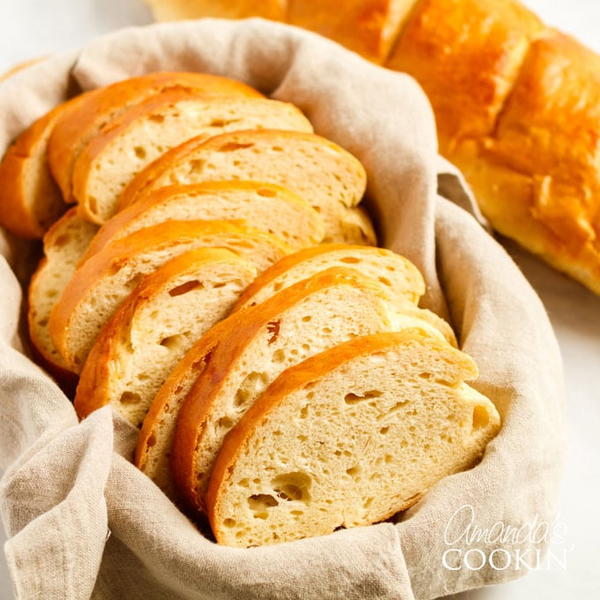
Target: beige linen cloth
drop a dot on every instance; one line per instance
(82, 521)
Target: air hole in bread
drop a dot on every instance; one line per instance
(61, 240)
(352, 398)
(279, 355)
(129, 398)
(304, 412)
(260, 502)
(350, 260)
(224, 423)
(140, 152)
(292, 486)
(481, 417)
(151, 441)
(93, 203)
(233, 146)
(425, 375)
(306, 319)
(156, 118)
(184, 288)
(273, 328)
(222, 122)
(253, 381)
(229, 523)
(170, 341)
(267, 193)
(354, 472)
(385, 281)
(384, 430)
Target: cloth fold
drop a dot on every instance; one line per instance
(84, 522)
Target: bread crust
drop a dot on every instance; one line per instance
(120, 252)
(173, 10)
(290, 261)
(298, 376)
(29, 210)
(241, 328)
(116, 225)
(368, 27)
(73, 131)
(142, 183)
(93, 388)
(85, 163)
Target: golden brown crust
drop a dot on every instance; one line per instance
(122, 219)
(142, 183)
(114, 255)
(85, 162)
(290, 261)
(241, 328)
(174, 10)
(368, 27)
(29, 210)
(93, 388)
(73, 131)
(298, 376)
(466, 54)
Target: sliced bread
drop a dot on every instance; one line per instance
(399, 278)
(30, 200)
(155, 326)
(148, 129)
(64, 243)
(74, 130)
(101, 283)
(397, 274)
(265, 206)
(330, 179)
(349, 437)
(354, 226)
(262, 341)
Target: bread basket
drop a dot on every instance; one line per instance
(84, 522)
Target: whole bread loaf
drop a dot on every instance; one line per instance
(348, 437)
(517, 105)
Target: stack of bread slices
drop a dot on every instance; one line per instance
(218, 285)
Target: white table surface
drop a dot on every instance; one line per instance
(30, 28)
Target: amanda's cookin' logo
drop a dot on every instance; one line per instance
(469, 545)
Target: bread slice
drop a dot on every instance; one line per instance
(145, 131)
(349, 437)
(397, 274)
(398, 277)
(73, 131)
(265, 206)
(64, 243)
(354, 226)
(101, 283)
(323, 296)
(30, 201)
(152, 330)
(300, 321)
(330, 179)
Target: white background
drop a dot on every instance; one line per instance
(30, 28)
